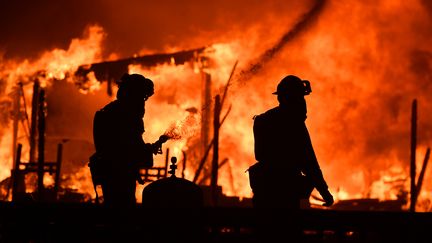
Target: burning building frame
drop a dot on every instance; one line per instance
(352, 68)
(194, 128)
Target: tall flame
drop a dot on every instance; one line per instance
(56, 64)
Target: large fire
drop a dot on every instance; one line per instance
(366, 63)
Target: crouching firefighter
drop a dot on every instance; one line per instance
(120, 149)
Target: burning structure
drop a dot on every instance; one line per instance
(108, 72)
(365, 68)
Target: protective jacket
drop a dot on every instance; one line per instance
(120, 151)
(287, 164)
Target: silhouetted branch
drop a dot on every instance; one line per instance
(209, 147)
(204, 178)
(422, 172)
(228, 83)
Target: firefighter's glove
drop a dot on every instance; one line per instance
(163, 138)
(328, 198)
(157, 146)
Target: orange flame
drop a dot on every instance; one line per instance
(364, 69)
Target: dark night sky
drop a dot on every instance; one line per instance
(30, 27)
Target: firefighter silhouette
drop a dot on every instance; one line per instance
(287, 169)
(120, 149)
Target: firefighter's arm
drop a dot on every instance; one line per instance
(314, 171)
(328, 198)
(258, 137)
(157, 146)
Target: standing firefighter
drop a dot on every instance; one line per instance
(120, 149)
(287, 169)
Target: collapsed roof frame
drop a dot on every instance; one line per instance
(111, 71)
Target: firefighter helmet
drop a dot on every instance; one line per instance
(293, 85)
(135, 86)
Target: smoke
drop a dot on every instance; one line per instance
(29, 28)
(267, 56)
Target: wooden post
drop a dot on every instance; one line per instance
(210, 146)
(413, 155)
(202, 162)
(16, 118)
(16, 175)
(33, 124)
(41, 144)
(166, 162)
(215, 161)
(206, 102)
(184, 164)
(221, 164)
(58, 168)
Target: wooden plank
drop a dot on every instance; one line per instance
(413, 155)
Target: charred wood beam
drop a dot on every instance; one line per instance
(209, 147)
(16, 176)
(31, 167)
(41, 143)
(205, 119)
(184, 164)
(422, 173)
(113, 70)
(167, 154)
(202, 162)
(215, 161)
(16, 118)
(413, 155)
(221, 164)
(228, 84)
(33, 121)
(58, 168)
(26, 123)
(206, 112)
